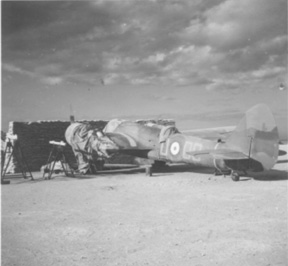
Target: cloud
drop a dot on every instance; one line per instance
(14, 69)
(52, 80)
(214, 44)
(268, 72)
(46, 80)
(237, 24)
(164, 98)
(219, 84)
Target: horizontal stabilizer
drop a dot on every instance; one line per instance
(224, 154)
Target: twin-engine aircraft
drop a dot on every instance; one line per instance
(252, 146)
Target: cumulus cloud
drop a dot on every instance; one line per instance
(219, 84)
(14, 69)
(214, 44)
(52, 80)
(237, 24)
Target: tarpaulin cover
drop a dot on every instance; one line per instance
(84, 141)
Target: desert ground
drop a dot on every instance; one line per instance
(180, 216)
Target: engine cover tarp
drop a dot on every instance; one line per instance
(84, 141)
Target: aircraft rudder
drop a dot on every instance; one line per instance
(257, 136)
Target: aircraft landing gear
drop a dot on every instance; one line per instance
(245, 173)
(220, 172)
(148, 171)
(235, 176)
(158, 165)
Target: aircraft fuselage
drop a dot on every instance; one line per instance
(177, 147)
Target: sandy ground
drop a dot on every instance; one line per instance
(173, 218)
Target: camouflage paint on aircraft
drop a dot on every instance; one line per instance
(253, 145)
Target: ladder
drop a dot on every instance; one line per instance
(16, 151)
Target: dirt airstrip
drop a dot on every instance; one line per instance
(176, 217)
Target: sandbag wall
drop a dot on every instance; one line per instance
(34, 137)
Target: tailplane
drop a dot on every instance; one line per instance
(256, 136)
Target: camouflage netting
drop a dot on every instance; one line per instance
(34, 138)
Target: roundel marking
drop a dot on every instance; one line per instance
(175, 148)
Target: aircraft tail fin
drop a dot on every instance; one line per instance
(257, 137)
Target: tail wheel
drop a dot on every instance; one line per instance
(235, 176)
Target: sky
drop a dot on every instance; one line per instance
(200, 62)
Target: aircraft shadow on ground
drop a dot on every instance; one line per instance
(111, 173)
(182, 169)
(271, 175)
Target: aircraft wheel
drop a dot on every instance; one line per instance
(235, 176)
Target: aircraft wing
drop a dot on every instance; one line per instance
(210, 133)
(225, 154)
(127, 145)
(123, 141)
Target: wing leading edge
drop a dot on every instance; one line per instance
(225, 154)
